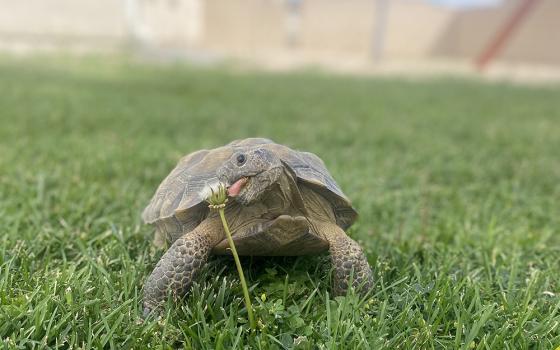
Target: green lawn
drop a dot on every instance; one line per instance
(457, 184)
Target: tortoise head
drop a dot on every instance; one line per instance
(249, 173)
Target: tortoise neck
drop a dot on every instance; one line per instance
(290, 190)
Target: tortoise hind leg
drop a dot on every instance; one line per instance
(348, 260)
(178, 267)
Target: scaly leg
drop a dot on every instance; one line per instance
(348, 260)
(178, 267)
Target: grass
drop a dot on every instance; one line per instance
(457, 184)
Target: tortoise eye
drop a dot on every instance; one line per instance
(241, 159)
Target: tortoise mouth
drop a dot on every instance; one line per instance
(235, 189)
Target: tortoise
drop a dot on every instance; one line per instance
(285, 203)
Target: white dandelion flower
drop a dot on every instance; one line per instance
(209, 189)
(215, 193)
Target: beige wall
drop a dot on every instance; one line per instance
(244, 27)
(415, 29)
(40, 22)
(470, 32)
(249, 27)
(333, 26)
(100, 23)
(539, 37)
(256, 27)
(176, 23)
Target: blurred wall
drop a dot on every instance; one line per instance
(414, 27)
(470, 32)
(413, 30)
(538, 38)
(99, 24)
(314, 28)
(331, 26)
(40, 23)
(310, 30)
(170, 23)
(243, 27)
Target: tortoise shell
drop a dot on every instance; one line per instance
(178, 207)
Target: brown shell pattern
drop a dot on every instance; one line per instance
(178, 196)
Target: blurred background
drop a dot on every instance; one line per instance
(508, 38)
(456, 178)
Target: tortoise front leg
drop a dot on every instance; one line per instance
(348, 260)
(178, 267)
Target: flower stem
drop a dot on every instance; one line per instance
(239, 270)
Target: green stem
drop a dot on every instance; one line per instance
(240, 271)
